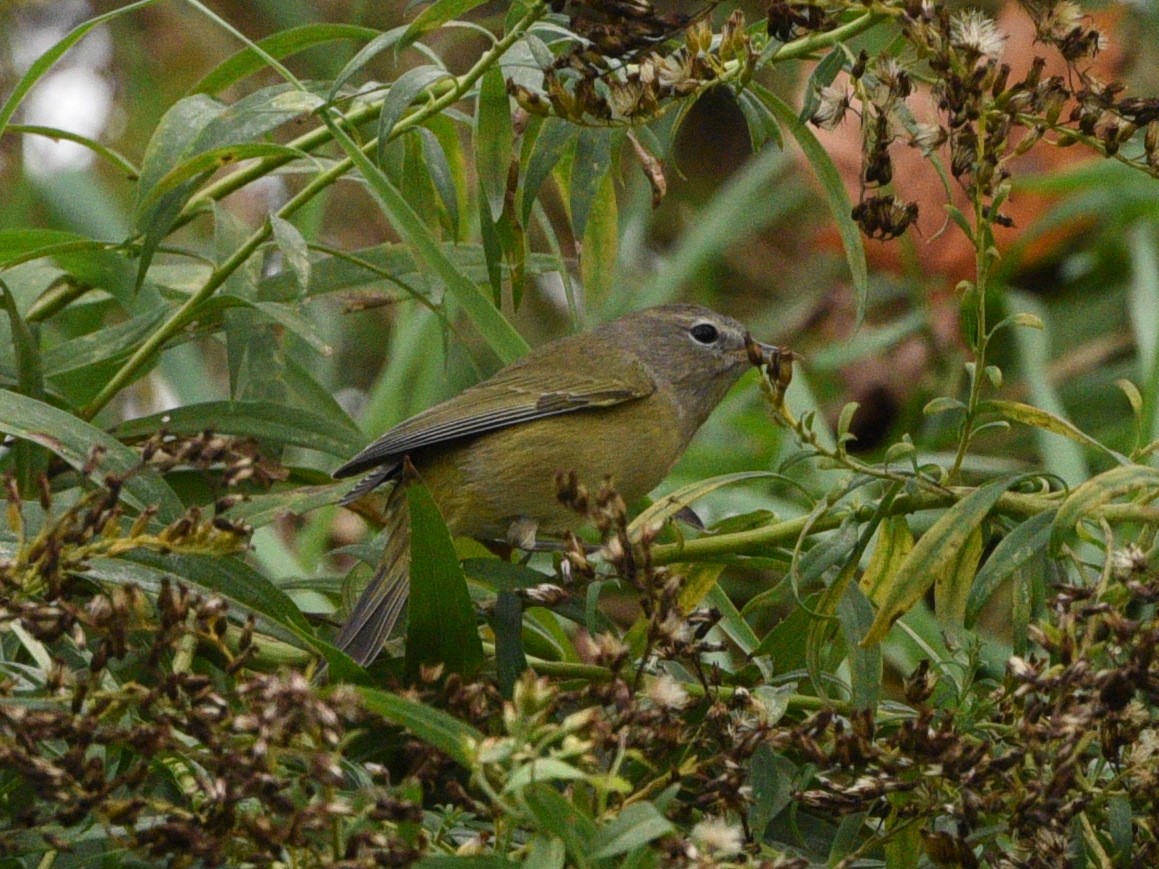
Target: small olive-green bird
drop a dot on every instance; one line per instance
(621, 401)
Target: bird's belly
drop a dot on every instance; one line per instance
(488, 482)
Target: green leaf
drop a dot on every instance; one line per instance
(1024, 542)
(279, 45)
(293, 247)
(122, 165)
(593, 160)
(380, 43)
(1061, 458)
(952, 585)
(636, 826)
(600, 246)
(541, 769)
(441, 626)
(771, 778)
(507, 622)
(499, 334)
(855, 613)
(731, 621)
(279, 423)
(937, 551)
(1027, 414)
(762, 126)
(435, 16)
(454, 738)
(235, 581)
(1095, 493)
(30, 378)
(894, 544)
(205, 163)
(942, 404)
(401, 94)
(288, 317)
(104, 344)
(835, 194)
(73, 440)
(559, 817)
(442, 177)
(555, 135)
(545, 852)
(494, 140)
(258, 511)
(195, 126)
(668, 506)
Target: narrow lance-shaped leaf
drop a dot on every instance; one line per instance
(894, 544)
(73, 439)
(279, 45)
(433, 726)
(441, 626)
(952, 586)
(835, 193)
(1028, 539)
(593, 160)
(1098, 491)
(934, 553)
(435, 16)
(494, 140)
(30, 377)
(499, 334)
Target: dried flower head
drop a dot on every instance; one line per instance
(975, 33)
(718, 837)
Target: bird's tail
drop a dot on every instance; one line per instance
(381, 602)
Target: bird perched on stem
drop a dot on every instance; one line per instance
(621, 402)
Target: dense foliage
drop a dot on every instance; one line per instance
(915, 628)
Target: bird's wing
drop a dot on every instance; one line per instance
(517, 394)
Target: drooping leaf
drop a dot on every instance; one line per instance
(73, 440)
(441, 627)
(433, 726)
(635, 826)
(1024, 542)
(835, 194)
(435, 16)
(494, 140)
(936, 551)
(1097, 492)
(284, 43)
(500, 334)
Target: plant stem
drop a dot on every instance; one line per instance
(757, 541)
(983, 239)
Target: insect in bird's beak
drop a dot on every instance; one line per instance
(777, 361)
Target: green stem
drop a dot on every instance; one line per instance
(188, 310)
(983, 240)
(805, 46)
(757, 541)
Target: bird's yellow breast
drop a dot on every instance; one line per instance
(484, 483)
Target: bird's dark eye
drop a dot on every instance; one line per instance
(705, 333)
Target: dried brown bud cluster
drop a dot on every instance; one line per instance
(986, 118)
(237, 459)
(1066, 735)
(619, 74)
